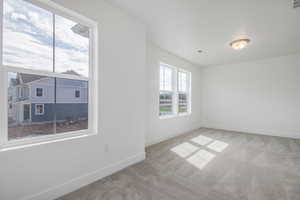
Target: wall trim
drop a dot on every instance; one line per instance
(287, 134)
(164, 138)
(76, 183)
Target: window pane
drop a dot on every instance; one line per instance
(166, 78)
(165, 103)
(30, 115)
(27, 36)
(23, 118)
(71, 111)
(71, 47)
(161, 76)
(39, 109)
(39, 92)
(77, 93)
(182, 103)
(182, 81)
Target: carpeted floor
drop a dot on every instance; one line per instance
(210, 165)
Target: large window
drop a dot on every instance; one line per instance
(175, 91)
(166, 90)
(47, 54)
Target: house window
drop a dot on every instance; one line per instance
(183, 94)
(39, 92)
(39, 109)
(175, 91)
(23, 92)
(39, 45)
(166, 90)
(77, 93)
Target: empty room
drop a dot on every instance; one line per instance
(149, 100)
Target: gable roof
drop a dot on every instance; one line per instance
(71, 72)
(27, 78)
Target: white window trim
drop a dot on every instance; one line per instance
(37, 113)
(36, 92)
(5, 144)
(176, 92)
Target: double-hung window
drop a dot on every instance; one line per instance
(47, 52)
(39, 109)
(183, 91)
(175, 91)
(166, 90)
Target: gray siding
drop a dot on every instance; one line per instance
(64, 111)
(46, 117)
(65, 91)
(71, 110)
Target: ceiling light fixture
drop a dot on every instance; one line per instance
(239, 44)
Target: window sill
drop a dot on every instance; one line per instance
(175, 115)
(25, 143)
(184, 114)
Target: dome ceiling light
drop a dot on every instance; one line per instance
(239, 44)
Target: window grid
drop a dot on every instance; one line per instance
(39, 109)
(181, 95)
(166, 83)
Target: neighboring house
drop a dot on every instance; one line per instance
(32, 100)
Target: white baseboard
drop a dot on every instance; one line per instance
(164, 138)
(76, 183)
(284, 133)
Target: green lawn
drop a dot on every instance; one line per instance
(181, 109)
(165, 108)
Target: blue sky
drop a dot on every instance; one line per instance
(28, 39)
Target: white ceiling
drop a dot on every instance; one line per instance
(184, 26)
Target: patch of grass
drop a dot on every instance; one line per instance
(165, 108)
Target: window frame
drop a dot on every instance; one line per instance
(36, 92)
(172, 91)
(35, 109)
(77, 92)
(57, 9)
(188, 91)
(175, 91)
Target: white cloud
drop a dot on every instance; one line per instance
(43, 22)
(28, 46)
(71, 60)
(65, 34)
(7, 8)
(17, 16)
(25, 51)
(21, 50)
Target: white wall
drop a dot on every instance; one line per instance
(160, 129)
(258, 97)
(49, 170)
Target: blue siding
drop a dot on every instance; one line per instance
(64, 111)
(74, 111)
(46, 117)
